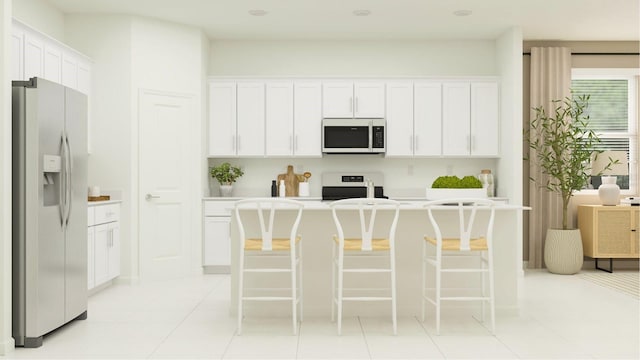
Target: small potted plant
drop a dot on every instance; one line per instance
(226, 176)
(454, 187)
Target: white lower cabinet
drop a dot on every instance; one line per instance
(104, 244)
(216, 250)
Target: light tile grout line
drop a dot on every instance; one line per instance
(364, 336)
(186, 317)
(429, 336)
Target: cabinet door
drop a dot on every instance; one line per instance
(399, 119)
(69, 70)
(217, 241)
(427, 119)
(279, 119)
(84, 77)
(456, 117)
(484, 119)
(614, 232)
(250, 110)
(114, 250)
(33, 56)
(337, 99)
(53, 63)
(635, 233)
(102, 240)
(222, 119)
(307, 119)
(17, 54)
(369, 100)
(90, 257)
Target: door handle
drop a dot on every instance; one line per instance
(150, 197)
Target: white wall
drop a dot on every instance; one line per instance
(106, 39)
(353, 58)
(130, 54)
(40, 15)
(6, 341)
(169, 57)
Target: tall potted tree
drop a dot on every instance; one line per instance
(563, 146)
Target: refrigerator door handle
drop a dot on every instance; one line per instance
(69, 185)
(63, 185)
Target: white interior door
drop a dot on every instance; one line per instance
(164, 163)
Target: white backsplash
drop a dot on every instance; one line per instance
(402, 177)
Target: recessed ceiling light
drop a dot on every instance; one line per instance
(462, 12)
(257, 12)
(362, 12)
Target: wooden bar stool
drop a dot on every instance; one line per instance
(278, 221)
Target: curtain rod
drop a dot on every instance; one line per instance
(593, 53)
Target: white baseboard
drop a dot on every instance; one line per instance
(7, 346)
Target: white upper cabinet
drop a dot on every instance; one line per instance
(470, 119)
(456, 117)
(52, 63)
(222, 118)
(307, 119)
(33, 57)
(427, 119)
(279, 119)
(484, 119)
(250, 118)
(346, 99)
(399, 128)
(414, 119)
(69, 71)
(34, 54)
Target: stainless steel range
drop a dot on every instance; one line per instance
(345, 185)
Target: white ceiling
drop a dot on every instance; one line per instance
(389, 19)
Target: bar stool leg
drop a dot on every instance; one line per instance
(240, 290)
(340, 284)
(392, 262)
(300, 297)
(333, 282)
(294, 311)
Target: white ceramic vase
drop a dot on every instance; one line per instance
(609, 191)
(226, 190)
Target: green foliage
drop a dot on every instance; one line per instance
(470, 182)
(454, 182)
(225, 173)
(562, 145)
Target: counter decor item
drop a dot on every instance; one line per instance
(454, 187)
(274, 189)
(486, 178)
(226, 176)
(303, 186)
(606, 164)
(291, 181)
(562, 145)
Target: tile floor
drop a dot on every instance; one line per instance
(560, 317)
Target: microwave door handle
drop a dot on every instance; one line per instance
(370, 136)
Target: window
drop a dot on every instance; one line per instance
(613, 115)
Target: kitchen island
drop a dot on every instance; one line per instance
(317, 228)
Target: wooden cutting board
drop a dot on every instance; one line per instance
(291, 181)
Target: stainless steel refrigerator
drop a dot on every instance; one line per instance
(49, 208)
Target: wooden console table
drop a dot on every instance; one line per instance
(609, 232)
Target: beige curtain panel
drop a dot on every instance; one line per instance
(550, 80)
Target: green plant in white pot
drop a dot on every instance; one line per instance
(226, 176)
(563, 144)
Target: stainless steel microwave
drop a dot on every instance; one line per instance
(353, 136)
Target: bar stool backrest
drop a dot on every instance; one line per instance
(364, 207)
(466, 209)
(266, 209)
